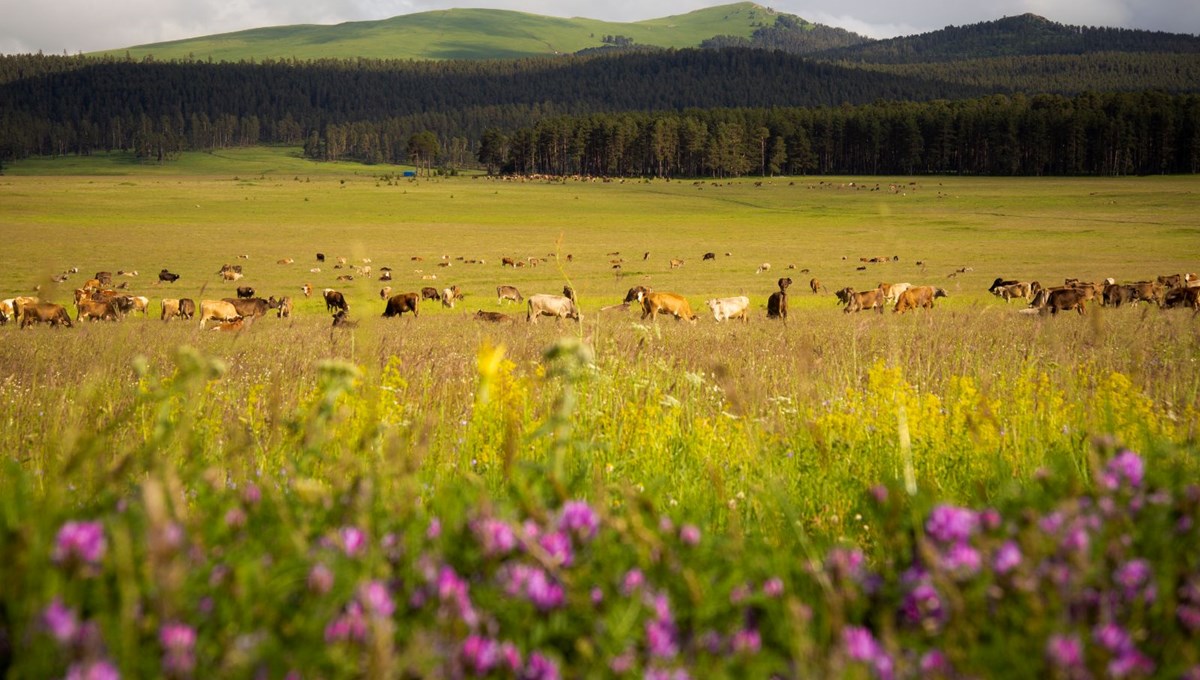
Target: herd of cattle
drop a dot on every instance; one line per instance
(98, 300)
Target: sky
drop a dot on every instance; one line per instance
(74, 26)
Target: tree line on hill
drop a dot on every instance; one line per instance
(674, 113)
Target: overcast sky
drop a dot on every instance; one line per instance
(76, 26)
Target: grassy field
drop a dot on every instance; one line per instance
(765, 499)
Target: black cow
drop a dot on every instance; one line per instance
(335, 300)
(167, 277)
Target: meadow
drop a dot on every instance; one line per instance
(963, 491)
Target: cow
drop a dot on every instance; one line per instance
(335, 300)
(709, 256)
(508, 262)
(569, 292)
(1117, 294)
(764, 267)
(1014, 290)
(19, 304)
(286, 260)
(342, 320)
(307, 289)
(285, 308)
(45, 312)
(96, 310)
(860, 301)
(230, 275)
(431, 293)
(385, 292)
(170, 308)
(385, 274)
(141, 303)
(674, 304)
(556, 306)
(635, 294)
(217, 310)
(508, 293)
(494, 317)
(1055, 300)
(892, 291)
(451, 295)
(816, 286)
(1172, 281)
(124, 304)
(397, 305)
(999, 283)
(777, 305)
(346, 277)
(165, 276)
(918, 296)
(253, 306)
(105, 278)
(233, 325)
(676, 263)
(1145, 291)
(729, 308)
(1184, 296)
(320, 257)
(187, 308)
(6, 310)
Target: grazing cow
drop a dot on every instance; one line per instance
(385, 292)
(709, 256)
(320, 257)
(1184, 296)
(346, 277)
(217, 310)
(764, 267)
(676, 263)
(918, 296)
(1116, 294)
(843, 295)
(1145, 291)
(508, 262)
(187, 308)
(508, 293)
(335, 300)
(892, 291)
(1014, 290)
(6, 310)
(124, 304)
(635, 294)
(285, 308)
(170, 308)
(674, 304)
(230, 275)
(816, 286)
(1064, 299)
(494, 317)
(556, 306)
(730, 308)
(307, 289)
(245, 292)
(999, 283)
(397, 305)
(141, 303)
(45, 312)
(784, 283)
(451, 295)
(253, 306)
(1172, 281)
(569, 292)
(777, 305)
(96, 310)
(860, 301)
(430, 293)
(105, 278)
(342, 320)
(167, 277)
(385, 274)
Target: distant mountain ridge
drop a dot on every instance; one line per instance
(504, 34)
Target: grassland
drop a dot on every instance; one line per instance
(769, 439)
(457, 34)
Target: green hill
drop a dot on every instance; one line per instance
(458, 34)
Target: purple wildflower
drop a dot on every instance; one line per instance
(923, 606)
(845, 564)
(99, 669)
(378, 600)
(435, 528)
(951, 524)
(542, 591)
(689, 534)
(251, 494)
(80, 543)
(577, 517)
(1065, 652)
(773, 587)
(747, 641)
(633, 581)
(540, 668)
(1130, 663)
(235, 518)
(660, 639)
(354, 541)
(860, 644)
(597, 595)
(1051, 523)
(1112, 637)
(961, 560)
(320, 579)
(61, 621)
(1126, 467)
(990, 519)
(934, 662)
(351, 626)
(1133, 575)
(510, 656)
(739, 594)
(1007, 557)
(496, 536)
(481, 654)
(179, 643)
(558, 544)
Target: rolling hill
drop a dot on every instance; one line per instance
(458, 34)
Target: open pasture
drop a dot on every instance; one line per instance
(760, 496)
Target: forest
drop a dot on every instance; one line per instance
(673, 113)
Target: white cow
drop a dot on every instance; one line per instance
(557, 306)
(730, 308)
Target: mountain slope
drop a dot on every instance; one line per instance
(457, 34)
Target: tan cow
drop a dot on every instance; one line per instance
(918, 296)
(6, 310)
(217, 310)
(860, 301)
(45, 312)
(676, 263)
(730, 308)
(545, 304)
(96, 310)
(285, 307)
(892, 291)
(307, 289)
(674, 304)
(170, 308)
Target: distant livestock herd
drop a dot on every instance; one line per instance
(98, 300)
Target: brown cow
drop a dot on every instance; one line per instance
(45, 312)
(674, 304)
(860, 301)
(816, 286)
(96, 310)
(918, 296)
(777, 306)
(508, 293)
(430, 293)
(784, 283)
(1172, 281)
(397, 305)
(508, 262)
(1064, 300)
(252, 306)
(285, 308)
(635, 294)
(494, 317)
(1014, 290)
(342, 320)
(232, 325)
(187, 308)
(676, 263)
(1188, 296)
(170, 308)
(307, 289)
(335, 300)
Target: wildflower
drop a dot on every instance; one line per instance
(1126, 467)
(558, 544)
(1007, 557)
(61, 621)
(923, 606)
(845, 564)
(1065, 652)
(1112, 637)
(99, 669)
(354, 541)
(660, 639)
(934, 662)
(541, 668)
(577, 517)
(689, 534)
(511, 656)
(496, 536)
(990, 519)
(597, 595)
(950, 524)
(747, 641)
(179, 643)
(80, 543)
(434, 530)
(1130, 662)
(542, 591)
(320, 579)
(251, 494)
(377, 599)
(481, 654)
(739, 594)
(235, 518)
(351, 626)
(962, 560)
(1135, 579)
(634, 579)
(860, 644)
(773, 587)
